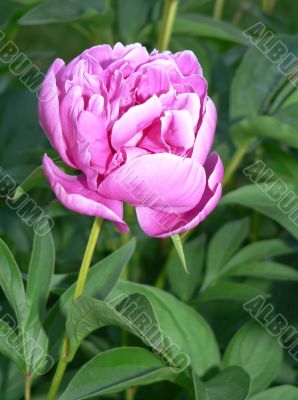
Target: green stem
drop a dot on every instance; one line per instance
(28, 386)
(236, 160)
(63, 360)
(169, 15)
(218, 9)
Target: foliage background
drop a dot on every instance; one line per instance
(245, 87)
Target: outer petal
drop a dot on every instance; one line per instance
(205, 135)
(74, 194)
(136, 119)
(49, 115)
(160, 181)
(161, 224)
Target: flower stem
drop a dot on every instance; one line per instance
(63, 360)
(28, 386)
(218, 9)
(236, 160)
(168, 19)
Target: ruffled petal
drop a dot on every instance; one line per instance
(128, 129)
(160, 181)
(49, 114)
(161, 224)
(188, 63)
(205, 135)
(74, 194)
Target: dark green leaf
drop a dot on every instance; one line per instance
(195, 340)
(133, 313)
(114, 371)
(223, 245)
(201, 26)
(265, 270)
(54, 11)
(229, 291)
(259, 197)
(10, 345)
(101, 279)
(11, 281)
(260, 250)
(230, 384)
(257, 352)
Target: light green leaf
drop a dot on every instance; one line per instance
(184, 285)
(114, 371)
(265, 270)
(101, 279)
(132, 313)
(54, 11)
(265, 126)
(202, 26)
(284, 392)
(11, 281)
(179, 248)
(223, 245)
(195, 340)
(257, 352)
(257, 198)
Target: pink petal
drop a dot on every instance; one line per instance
(188, 63)
(74, 194)
(161, 224)
(160, 181)
(49, 116)
(205, 135)
(178, 132)
(128, 129)
(153, 81)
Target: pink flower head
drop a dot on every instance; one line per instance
(139, 127)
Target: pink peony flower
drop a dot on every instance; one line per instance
(139, 127)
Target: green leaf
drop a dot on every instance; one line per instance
(257, 352)
(232, 383)
(265, 80)
(101, 279)
(259, 198)
(10, 345)
(229, 291)
(41, 270)
(195, 341)
(33, 180)
(179, 248)
(55, 11)
(11, 281)
(265, 270)
(260, 250)
(184, 285)
(202, 26)
(265, 126)
(223, 245)
(285, 392)
(114, 371)
(132, 313)
(40, 275)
